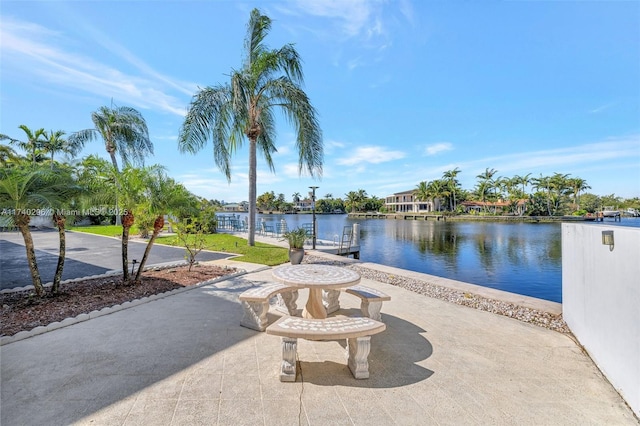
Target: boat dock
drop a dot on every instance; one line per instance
(402, 216)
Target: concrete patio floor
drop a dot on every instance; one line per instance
(184, 360)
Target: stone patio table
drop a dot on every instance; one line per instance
(316, 278)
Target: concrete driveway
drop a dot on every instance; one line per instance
(87, 254)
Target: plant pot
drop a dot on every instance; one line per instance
(296, 255)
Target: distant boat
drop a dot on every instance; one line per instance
(631, 212)
(610, 212)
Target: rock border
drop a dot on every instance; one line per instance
(21, 335)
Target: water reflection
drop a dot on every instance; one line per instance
(522, 258)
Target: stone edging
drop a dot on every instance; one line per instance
(21, 335)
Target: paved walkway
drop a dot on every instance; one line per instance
(87, 254)
(184, 360)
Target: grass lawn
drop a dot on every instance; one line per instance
(264, 254)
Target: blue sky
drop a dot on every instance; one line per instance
(405, 90)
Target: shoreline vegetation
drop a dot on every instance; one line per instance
(442, 216)
(468, 217)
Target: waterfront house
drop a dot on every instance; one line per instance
(235, 207)
(402, 202)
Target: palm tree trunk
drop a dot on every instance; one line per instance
(157, 227)
(114, 161)
(127, 222)
(60, 224)
(252, 192)
(22, 223)
(125, 254)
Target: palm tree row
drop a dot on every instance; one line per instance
(87, 188)
(557, 192)
(269, 80)
(38, 144)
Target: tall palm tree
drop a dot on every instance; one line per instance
(296, 198)
(32, 145)
(245, 107)
(450, 178)
(561, 188)
(421, 193)
(54, 142)
(353, 200)
(524, 181)
(485, 185)
(123, 131)
(544, 183)
(437, 189)
(578, 185)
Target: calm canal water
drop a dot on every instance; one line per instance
(522, 258)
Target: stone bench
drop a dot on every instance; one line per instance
(370, 305)
(357, 332)
(255, 303)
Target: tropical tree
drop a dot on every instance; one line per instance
(32, 145)
(554, 188)
(269, 80)
(543, 184)
(355, 199)
(98, 177)
(54, 143)
(351, 200)
(590, 202)
(561, 189)
(437, 189)
(452, 183)
(373, 203)
(486, 185)
(577, 186)
(63, 178)
(163, 195)
(266, 201)
(524, 181)
(123, 131)
(421, 192)
(8, 155)
(26, 191)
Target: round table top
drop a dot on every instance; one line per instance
(313, 275)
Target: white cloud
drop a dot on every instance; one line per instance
(578, 161)
(353, 16)
(369, 154)
(29, 52)
(602, 108)
(438, 148)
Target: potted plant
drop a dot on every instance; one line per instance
(296, 238)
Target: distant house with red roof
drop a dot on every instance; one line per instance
(499, 206)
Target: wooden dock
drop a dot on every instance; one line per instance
(397, 216)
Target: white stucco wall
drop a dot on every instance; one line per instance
(601, 301)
